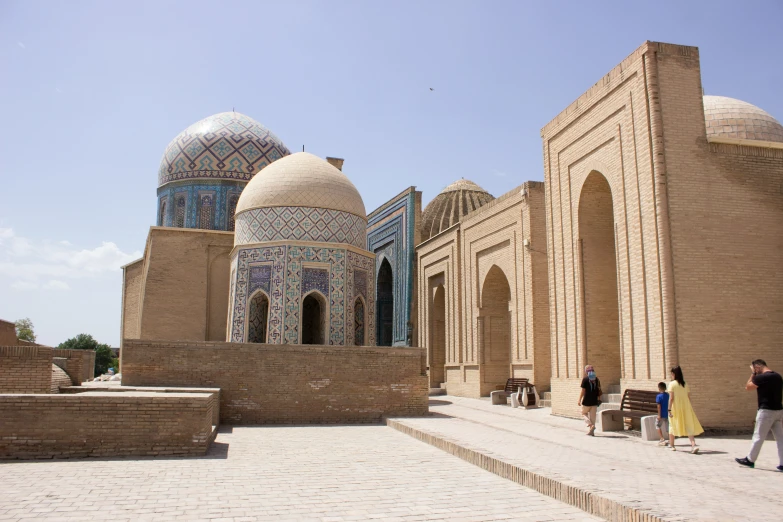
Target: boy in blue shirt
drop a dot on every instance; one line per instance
(662, 422)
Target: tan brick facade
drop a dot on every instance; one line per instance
(286, 384)
(104, 424)
(483, 302)
(695, 230)
(25, 369)
(78, 364)
(179, 289)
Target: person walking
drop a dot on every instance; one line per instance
(769, 388)
(682, 419)
(590, 398)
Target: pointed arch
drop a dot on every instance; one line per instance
(384, 302)
(313, 315)
(598, 269)
(258, 318)
(495, 326)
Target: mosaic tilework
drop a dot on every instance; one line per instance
(260, 277)
(364, 265)
(315, 279)
(275, 257)
(358, 322)
(360, 283)
(222, 194)
(335, 258)
(300, 223)
(257, 318)
(390, 235)
(228, 145)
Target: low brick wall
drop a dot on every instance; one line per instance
(25, 369)
(104, 424)
(80, 364)
(105, 387)
(286, 384)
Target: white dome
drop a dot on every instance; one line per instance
(302, 180)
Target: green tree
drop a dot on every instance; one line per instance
(24, 330)
(103, 353)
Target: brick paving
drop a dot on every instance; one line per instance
(615, 466)
(276, 473)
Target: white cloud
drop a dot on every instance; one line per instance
(34, 261)
(20, 44)
(24, 285)
(54, 284)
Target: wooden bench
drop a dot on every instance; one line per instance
(513, 385)
(636, 404)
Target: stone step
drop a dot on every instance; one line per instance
(614, 397)
(613, 388)
(546, 396)
(545, 403)
(437, 391)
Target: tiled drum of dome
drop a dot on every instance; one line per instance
(301, 224)
(228, 145)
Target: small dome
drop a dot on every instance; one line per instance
(448, 207)
(228, 145)
(302, 180)
(730, 118)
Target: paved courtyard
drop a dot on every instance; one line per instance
(277, 473)
(615, 466)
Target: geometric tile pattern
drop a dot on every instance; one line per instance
(390, 236)
(315, 279)
(285, 273)
(260, 277)
(228, 145)
(300, 223)
(361, 270)
(335, 259)
(274, 257)
(222, 193)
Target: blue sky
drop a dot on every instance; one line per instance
(92, 92)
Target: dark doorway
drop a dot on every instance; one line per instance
(385, 298)
(258, 315)
(313, 319)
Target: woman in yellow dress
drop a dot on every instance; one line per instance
(682, 419)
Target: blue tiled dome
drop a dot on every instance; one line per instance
(226, 146)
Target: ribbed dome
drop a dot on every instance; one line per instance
(730, 118)
(302, 180)
(448, 207)
(228, 145)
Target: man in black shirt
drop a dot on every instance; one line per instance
(769, 387)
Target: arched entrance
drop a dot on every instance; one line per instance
(495, 321)
(258, 316)
(385, 300)
(438, 338)
(313, 315)
(358, 322)
(599, 279)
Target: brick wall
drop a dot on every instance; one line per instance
(180, 289)
(286, 384)
(79, 364)
(7, 333)
(25, 369)
(100, 424)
